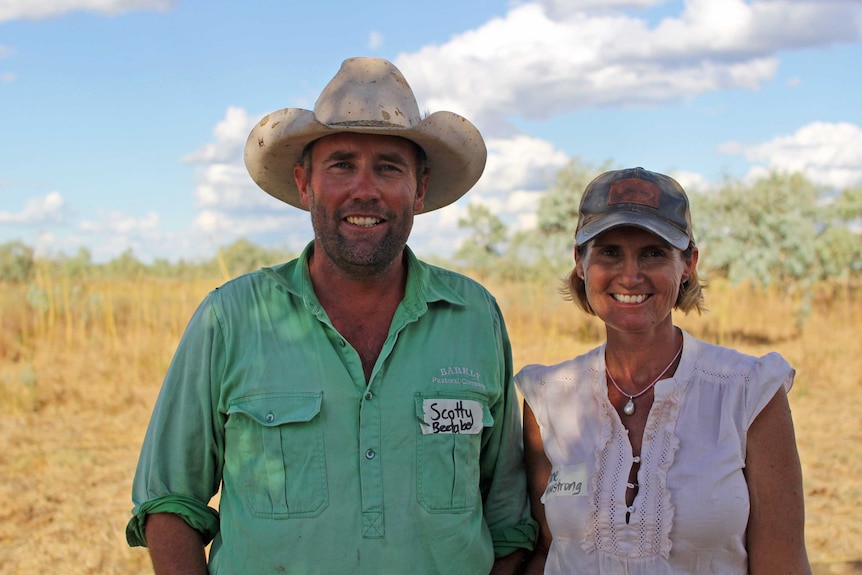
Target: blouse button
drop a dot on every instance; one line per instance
(630, 508)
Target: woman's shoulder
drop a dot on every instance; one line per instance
(728, 361)
(559, 374)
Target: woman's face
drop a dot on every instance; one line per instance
(632, 278)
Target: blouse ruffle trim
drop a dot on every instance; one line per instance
(661, 426)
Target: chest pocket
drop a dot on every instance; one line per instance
(448, 445)
(275, 453)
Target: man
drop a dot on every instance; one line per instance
(355, 405)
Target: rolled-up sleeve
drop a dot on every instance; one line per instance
(182, 457)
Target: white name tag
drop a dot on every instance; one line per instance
(567, 482)
(451, 416)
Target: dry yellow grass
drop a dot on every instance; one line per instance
(81, 363)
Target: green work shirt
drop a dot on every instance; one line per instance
(419, 470)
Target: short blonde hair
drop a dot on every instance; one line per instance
(690, 296)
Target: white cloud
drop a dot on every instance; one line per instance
(42, 9)
(540, 60)
(559, 9)
(230, 134)
(114, 222)
(49, 209)
(375, 39)
(519, 162)
(830, 154)
(518, 171)
(692, 181)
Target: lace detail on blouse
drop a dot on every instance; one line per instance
(652, 512)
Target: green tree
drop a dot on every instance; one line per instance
(764, 233)
(243, 256)
(16, 261)
(77, 265)
(551, 245)
(125, 265)
(481, 251)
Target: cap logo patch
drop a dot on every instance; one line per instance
(634, 191)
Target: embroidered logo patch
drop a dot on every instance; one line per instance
(451, 416)
(567, 482)
(458, 375)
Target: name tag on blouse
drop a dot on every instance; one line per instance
(451, 416)
(567, 482)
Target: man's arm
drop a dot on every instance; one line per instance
(175, 547)
(510, 564)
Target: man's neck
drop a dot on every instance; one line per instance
(357, 293)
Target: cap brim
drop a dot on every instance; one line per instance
(672, 235)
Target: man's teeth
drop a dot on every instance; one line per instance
(367, 222)
(629, 298)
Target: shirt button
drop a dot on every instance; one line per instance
(270, 418)
(369, 454)
(630, 509)
(368, 395)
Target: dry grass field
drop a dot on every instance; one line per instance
(81, 363)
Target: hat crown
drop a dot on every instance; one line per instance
(367, 92)
(367, 96)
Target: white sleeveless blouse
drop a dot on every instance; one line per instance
(692, 506)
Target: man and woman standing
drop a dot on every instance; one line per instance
(317, 396)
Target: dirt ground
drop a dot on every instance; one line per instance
(74, 417)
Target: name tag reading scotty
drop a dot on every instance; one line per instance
(451, 416)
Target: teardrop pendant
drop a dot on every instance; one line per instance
(629, 407)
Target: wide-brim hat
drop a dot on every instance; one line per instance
(635, 197)
(367, 96)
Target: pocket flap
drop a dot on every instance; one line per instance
(272, 410)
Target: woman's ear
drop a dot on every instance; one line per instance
(579, 265)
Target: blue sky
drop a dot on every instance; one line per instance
(122, 122)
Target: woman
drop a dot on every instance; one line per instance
(657, 452)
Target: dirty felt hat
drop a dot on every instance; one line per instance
(635, 197)
(367, 96)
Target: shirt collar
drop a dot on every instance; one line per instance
(426, 284)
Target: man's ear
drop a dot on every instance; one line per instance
(301, 177)
(421, 189)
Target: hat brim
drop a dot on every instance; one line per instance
(672, 235)
(454, 148)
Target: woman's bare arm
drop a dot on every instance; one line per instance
(775, 536)
(538, 471)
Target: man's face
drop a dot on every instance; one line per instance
(362, 192)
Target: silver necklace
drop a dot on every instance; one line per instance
(629, 408)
